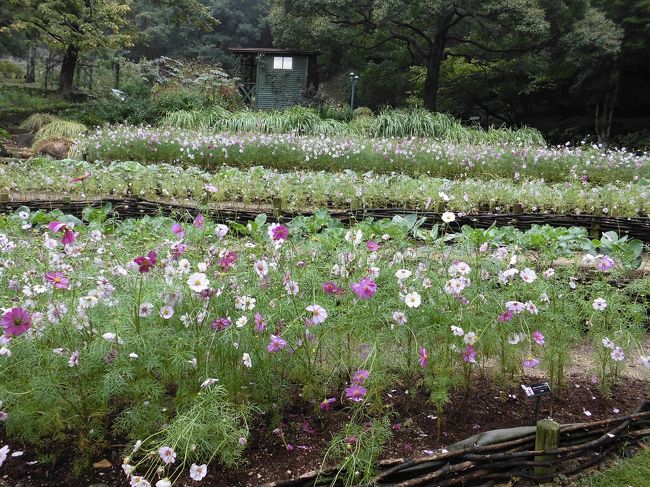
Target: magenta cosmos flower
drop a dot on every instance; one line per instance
(332, 288)
(280, 232)
(365, 288)
(360, 376)
(538, 337)
(68, 235)
(221, 324)
(16, 321)
(372, 246)
(530, 362)
(146, 262)
(326, 404)
(229, 259)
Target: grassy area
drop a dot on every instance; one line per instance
(633, 472)
(22, 100)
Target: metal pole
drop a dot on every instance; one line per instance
(352, 99)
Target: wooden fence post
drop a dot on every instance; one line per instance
(277, 207)
(594, 232)
(547, 437)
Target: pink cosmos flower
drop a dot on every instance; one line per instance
(326, 404)
(146, 262)
(423, 357)
(360, 376)
(178, 229)
(538, 337)
(199, 221)
(530, 362)
(372, 246)
(68, 236)
(167, 455)
(277, 344)
(617, 354)
(260, 324)
(280, 232)
(469, 354)
(355, 393)
(16, 321)
(365, 288)
(177, 250)
(58, 279)
(605, 263)
(73, 361)
(507, 316)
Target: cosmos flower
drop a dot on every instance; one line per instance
(605, 263)
(365, 288)
(16, 321)
(402, 274)
(355, 393)
(607, 343)
(528, 275)
(167, 455)
(58, 279)
(164, 483)
(198, 282)
(199, 221)
(448, 217)
(469, 354)
(457, 331)
(399, 317)
(260, 324)
(4, 451)
(332, 288)
(221, 324)
(73, 361)
(617, 354)
(278, 232)
(530, 362)
(423, 357)
(538, 337)
(261, 268)
(318, 313)
(372, 246)
(246, 360)
(68, 236)
(599, 304)
(412, 300)
(220, 231)
(198, 472)
(360, 376)
(277, 343)
(146, 262)
(326, 404)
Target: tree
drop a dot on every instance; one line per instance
(427, 29)
(74, 27)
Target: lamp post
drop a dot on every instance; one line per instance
(354, 79)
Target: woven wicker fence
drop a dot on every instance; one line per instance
(637, 227)
(581, 446)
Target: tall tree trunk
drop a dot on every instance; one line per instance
(30, 75)
(68, 66)
(432, 80)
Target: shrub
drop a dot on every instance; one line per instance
(10, 70)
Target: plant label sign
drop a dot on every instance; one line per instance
(537, 389)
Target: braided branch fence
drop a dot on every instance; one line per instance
(634, 227)
(473, 462)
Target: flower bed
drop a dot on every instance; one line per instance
(171, 337)
(400, 156)
(306, 190)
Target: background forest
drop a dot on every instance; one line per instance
(571, 68)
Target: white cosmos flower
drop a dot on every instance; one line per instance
(528, 275)
(166, 312)
(470, 338)
(399, 317)
(645, 361)
(198, 282)
(139, 481)
(209, 382)
(448, 217)
(292, 288)
(607, 343)
(197, 472)
(145, 310)
(457, 331)
(4, 451)
(167, 455)
(599, 304)
(220, 231)
(241, 322)
(164, 483)
(246, 360)
(202, 266)
(444, 196)
(262, 268)
(402, 274)
(184, 266)
(412, 300)
(318, 313)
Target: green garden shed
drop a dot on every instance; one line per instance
(275, 78)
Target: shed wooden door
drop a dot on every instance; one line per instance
(280, 88)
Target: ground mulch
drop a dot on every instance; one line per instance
(486, 406)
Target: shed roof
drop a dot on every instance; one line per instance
(272, 50)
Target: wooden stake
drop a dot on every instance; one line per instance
(546, 438)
